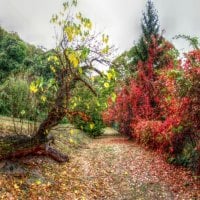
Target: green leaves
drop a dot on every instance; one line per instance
(84, 53)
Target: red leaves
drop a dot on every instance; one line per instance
(160, 108)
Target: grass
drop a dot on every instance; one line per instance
(67, 137)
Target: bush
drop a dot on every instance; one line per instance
(90, 106)
(188, 157)
(161, 108)
(17, 101)
(14, 97)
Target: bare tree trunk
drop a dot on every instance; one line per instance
(39, 144)
(22, 145)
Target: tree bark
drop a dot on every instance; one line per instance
(39, 144)
(22, 145)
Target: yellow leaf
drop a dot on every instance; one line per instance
(33, 88)
(43, 98)
(76, 191)
(88, 24)
(98, 104)
(73, 59)
(71, 141)
(105, 38)
(92, 125)
(69, 30)
(80, 70)
(79, 16)
(109, 75)
(53, 58)
(105, 50)
(16, 186)
(71, 131)
(53, 69)
(74, 105)
(106, 85)
(38, 182)
(113, 96)
(126, 173)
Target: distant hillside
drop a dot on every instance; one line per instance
(17, 55)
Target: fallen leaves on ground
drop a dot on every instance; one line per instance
(110, 168)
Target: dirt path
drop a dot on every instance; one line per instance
(109, 168)
(114, 168)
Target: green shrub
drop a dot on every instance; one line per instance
(188, 157)
(14, 97)
(17, 101)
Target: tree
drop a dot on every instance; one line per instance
(150, 23)
(74, 57)
(92, 105)
(150, 29)
(12, 53)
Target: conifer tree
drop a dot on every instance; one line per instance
(150, 28)
(150, 22)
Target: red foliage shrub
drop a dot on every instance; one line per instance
(120, 112)
(151, 108)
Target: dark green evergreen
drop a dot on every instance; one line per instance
(150, 28)
(150, 22)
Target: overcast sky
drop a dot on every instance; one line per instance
(119, 18)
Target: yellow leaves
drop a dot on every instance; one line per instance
(125, 173)
(75, 104)
(53, 69)
(113, 97)
(87, 23)
(33, 88)
(74, 59)
(65, 5)
(98, 104)
(38, 182)
(43, 98)
(105, 38)
(106, 85)
(80, 70)
(92, 125)
(105, 50)
(79, 16)
(16, 186)
(84, 21)
(54, 19)
(71, 141)
(76, 191)
(70, 32)
(109, 75)
(92, 78)
(54, 59)
(71, 131)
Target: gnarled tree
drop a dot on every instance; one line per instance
(77, 51)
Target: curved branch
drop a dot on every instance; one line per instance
(78, 78)
(89, 67)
